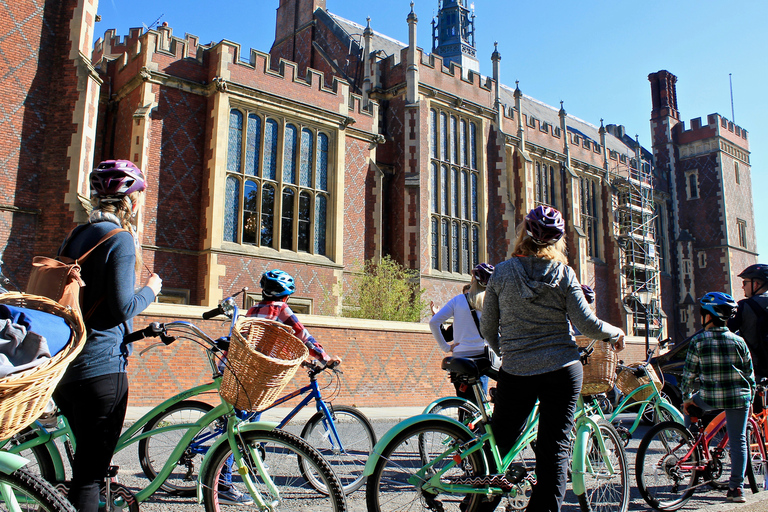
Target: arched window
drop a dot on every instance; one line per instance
(254, 188)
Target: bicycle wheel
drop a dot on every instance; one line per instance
(720, 471)
(605, 491)
(357, 440)
(663, 482)
(40, 462)
(457, 408)
(22, 491)
(155, 450)
(755, 460)
(280, 453)
(389, 489)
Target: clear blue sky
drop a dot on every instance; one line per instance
(593, 55)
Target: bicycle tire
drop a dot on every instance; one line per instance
(659, 478)
(752, 471)
(357, 438)
(460, 409)
(155, 450)
(280, 452)
(388, 489)
(40, 460)
(33, 493)
(605, 492)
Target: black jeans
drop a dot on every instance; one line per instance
(557, 393)
(95, 409)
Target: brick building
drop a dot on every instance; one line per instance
(341, 145)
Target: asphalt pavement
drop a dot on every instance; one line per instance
(383, 418)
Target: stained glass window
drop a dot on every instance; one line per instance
(433, 183)
(270, 150)
(232, 197)
(445, 186)
(454, 141)
(252, 146)
(289, 155)
(443, 136)
(305, 167)
(433, 139)
(435, 237)
(250, 212)
(234, 148)
(254, 188)
(455, 246)
(473, 145)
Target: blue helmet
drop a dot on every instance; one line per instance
(718, 304)
(276, 283)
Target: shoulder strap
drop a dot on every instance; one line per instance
(474, 316)
(758, 310)
(103, 239)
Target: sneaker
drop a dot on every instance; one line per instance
(233, 496)
(735, 495)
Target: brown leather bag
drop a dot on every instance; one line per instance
(59, 279)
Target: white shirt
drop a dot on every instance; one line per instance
(467, 339)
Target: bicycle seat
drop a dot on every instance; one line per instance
(470, 369)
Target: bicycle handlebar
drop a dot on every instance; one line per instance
(212, 313)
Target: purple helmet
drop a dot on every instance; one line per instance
(589, 293)
(116, 178)
(544, 225)
(482, 273)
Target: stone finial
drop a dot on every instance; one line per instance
(412, 15)
(602, 127)
(495, 55)
(562, 112)
(518, 92)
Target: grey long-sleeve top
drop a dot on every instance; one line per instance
(528, 304)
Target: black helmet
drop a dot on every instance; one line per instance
(756, 271)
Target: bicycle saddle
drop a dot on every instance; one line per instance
(470, 368)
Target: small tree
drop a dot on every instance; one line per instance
(384, 291)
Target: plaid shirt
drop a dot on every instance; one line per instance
(720, 360)
(278, 310)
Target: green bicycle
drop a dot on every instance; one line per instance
(273, 466)
(437, 462)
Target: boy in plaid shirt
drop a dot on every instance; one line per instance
(720, 360)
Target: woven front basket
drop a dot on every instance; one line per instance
(600, 370)
(24, 395)
(627, 382)
(263, 357)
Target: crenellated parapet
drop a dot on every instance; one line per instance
(716, 126)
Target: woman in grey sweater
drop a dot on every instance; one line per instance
(530, 302)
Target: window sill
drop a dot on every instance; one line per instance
(272, 254)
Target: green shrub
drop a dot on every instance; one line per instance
(384, 291)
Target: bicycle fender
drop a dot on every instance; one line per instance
(375, 455)
(673, 411)
(443, 399)
(579, 454)
(10, 462)
(242, 427)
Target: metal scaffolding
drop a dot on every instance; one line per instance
(635, 232)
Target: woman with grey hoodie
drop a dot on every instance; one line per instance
(530, 302)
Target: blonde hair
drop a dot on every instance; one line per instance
(122, 209)
(525, 246)
(476, 295)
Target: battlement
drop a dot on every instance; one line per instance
(111, 46)
(716, 125)
(435, 62)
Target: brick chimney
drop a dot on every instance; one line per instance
(664, 95)
(294, 31)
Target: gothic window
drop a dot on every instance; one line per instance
(692, 184)
(264, 208)
(544, 186)
(741, 225)
(454, 182)
(589, 215)
(736, 172)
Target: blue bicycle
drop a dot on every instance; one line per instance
(342, 434)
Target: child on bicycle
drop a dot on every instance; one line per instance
(720, 360)
(276, 287)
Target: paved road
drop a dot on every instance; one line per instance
(705, 499)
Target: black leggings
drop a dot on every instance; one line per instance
(557, 393)
(95, 409)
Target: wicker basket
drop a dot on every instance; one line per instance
(600, 370)
(263, 357)
(24, 395)
(627, 382)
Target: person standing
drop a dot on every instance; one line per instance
(93, 393)
(530, 302)
(720, 361)
(751, 318)
(466, 310)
